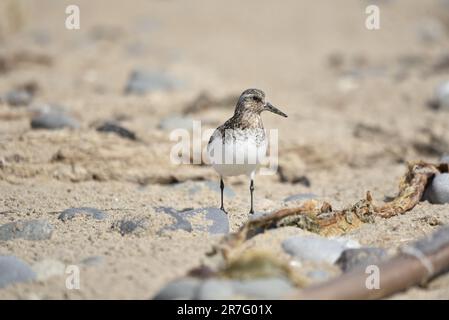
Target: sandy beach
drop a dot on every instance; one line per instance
(359, 105)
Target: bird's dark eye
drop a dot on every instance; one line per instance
(257, 98)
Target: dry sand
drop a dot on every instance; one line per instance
(356, 100)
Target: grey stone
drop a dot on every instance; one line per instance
(301, 197)
(263, 288)
(219, 219)
(215, 289)
(438, 191)
(360, 257)
(92, 261)
(445, 159)
(70, 213)
(131, 226)
(48, 268)
(315, 248)
(434, 242)
(441, 96)
(141, 82)
(13, 270)
(176, 122)
(53, 120)
(117, 129)
(185, 288)
(18, 97)
(28, 230)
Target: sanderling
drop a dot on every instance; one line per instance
(237, 147)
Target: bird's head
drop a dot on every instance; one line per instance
(253, 100)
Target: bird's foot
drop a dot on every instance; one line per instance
(223, 209)
(251, 211)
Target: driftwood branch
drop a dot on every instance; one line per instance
(322, 219)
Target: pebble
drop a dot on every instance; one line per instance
(176, 122)
(117, 129)
(28, 230)
(317, 249)
(441, 96)
(141, 82)
(353, 258)
(92, 261)
(185, 288)
(263, 288)
(438, 191)
(18, 97)
(13, 270)
(53, 120)
(215, 289)
(48, 268)
(131, 226)
(70, 213)
(219, 219)
(445, 159)
(301, 197)
(219, 289)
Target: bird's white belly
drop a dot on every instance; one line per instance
(242, 156)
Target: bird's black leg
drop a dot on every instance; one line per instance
(251, 189)
(222, 188)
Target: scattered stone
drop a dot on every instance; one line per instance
(18, 98)
(445, 159)
(218, 289)
(219, 219)
(215, 289)
(264, 288)
(317, 249)
(131, 226)
(440, 100)
(70, 213)
(117, 129)
(186, 288)
(438, 191)
(48, 268)
(13, 270)
(301, 197)
(92, 261)
(141, 82)
(28, 230)
(53, 120)
(176, 122)
(360, 257)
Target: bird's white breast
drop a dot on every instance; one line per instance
(237, 155)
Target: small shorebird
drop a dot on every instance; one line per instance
(238, 146)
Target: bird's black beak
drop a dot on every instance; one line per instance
(270, 107)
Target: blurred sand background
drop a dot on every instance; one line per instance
(357, 102)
